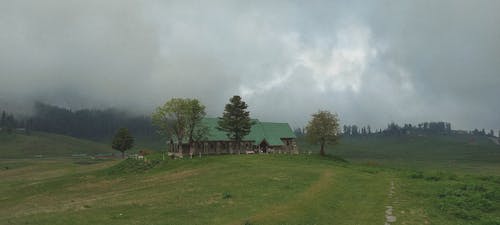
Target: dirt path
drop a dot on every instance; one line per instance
(389, 217)
(310, 195)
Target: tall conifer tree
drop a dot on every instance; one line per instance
(235, 120)
(122, 141)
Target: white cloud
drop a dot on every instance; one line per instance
(336, 63)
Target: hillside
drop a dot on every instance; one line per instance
(241, 189)
(48, 145)
(465, 152)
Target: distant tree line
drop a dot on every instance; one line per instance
(86, 123)
(421, 128)
(8, 122)
(299, 132)
(483, 132)
(354, 130)
(102, 124)
(443, 128)
(396, 129)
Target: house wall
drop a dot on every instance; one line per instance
(214, 148)
(230, 147)
(289, 147)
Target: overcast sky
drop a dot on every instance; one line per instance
(372, 62)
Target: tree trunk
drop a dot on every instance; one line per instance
(191, 149)
(123, 154)
(322, 151)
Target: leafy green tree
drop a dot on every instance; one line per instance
(235, 120)
(122, 141)
(196, 112)
(180, 118)
(324, 129)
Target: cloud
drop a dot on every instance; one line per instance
(371, 62)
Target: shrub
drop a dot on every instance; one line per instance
(492, 222)
(494, 179)
(434, 177)
(335, 158)
(452, 177)
(370, 170)
(468, 201)
(416, 175)
(132, 166)
(226, 195)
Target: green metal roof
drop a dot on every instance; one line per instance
(271, 132)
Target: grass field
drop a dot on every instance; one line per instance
(42, 144)
(47, 145)
(425, 180)
(458, 153)
(239, 189)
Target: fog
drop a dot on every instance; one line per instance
(372, 62)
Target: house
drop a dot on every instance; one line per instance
(264, 137)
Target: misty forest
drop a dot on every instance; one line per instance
(252, 113)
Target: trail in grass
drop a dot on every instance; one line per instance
(389, 217)
(340, 196)
(304, 198)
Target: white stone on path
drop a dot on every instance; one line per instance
(389, 218)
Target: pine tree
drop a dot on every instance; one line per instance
(122, 141)
(235, 120)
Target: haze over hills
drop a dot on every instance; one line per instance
(372, 62)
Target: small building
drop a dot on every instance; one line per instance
(264, 137)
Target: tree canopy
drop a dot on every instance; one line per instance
(180, 118)
(324, 129)
(95, 124)
(235, 119)
(122, 141)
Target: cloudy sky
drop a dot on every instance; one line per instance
(372, 62)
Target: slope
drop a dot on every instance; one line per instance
(48, 145)
(464, 152)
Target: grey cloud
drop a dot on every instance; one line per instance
(371, 61)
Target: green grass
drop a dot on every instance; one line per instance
(446, 198)
(20, 145)
(239, 189)
(212, 190)
(48, 145)
(443, 180)
(460, 153)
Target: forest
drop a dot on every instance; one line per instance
(93, 124)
